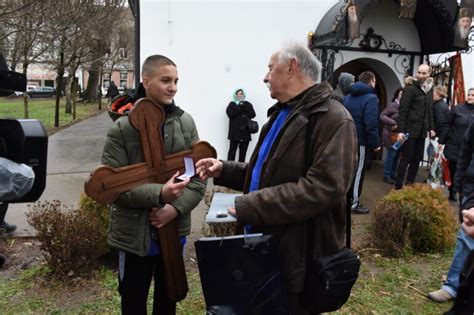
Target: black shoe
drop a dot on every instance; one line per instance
(7, 228)
(2, 261)
(360, 210)
(388, 180)
(452, 196)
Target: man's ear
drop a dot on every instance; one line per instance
(292, 67)
(145, 82)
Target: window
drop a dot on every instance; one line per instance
(123, 53)
(123, 77)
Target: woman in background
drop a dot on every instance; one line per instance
(389, 117)
(239, 112)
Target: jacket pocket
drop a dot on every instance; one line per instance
(126, 229)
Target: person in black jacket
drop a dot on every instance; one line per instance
(239, 112)
(440, 112)
(459, 119)
(112, 91)
(415, 117)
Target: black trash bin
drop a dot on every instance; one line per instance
(26, 141)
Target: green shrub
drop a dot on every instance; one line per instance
(88, 204)
(414, 219)
(71, 239)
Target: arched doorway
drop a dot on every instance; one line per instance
(387, 82)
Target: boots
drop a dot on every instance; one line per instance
(7, 228)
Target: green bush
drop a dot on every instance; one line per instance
(414, 219)
(71, 239)
(88, 204)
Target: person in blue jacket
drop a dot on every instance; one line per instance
(363, 104)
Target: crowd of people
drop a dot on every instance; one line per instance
(416, 112)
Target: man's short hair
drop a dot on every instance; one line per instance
(366, 77)
(308, 63)
(153, 62)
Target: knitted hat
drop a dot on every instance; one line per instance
(465, 12)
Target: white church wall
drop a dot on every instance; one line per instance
(221, 45)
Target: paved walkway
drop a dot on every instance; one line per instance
(72, 154)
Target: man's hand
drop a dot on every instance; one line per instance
(209, 167)
(432, 133)
(394, 127)
(159, 217)
(232, 211)
(171, 189)
(377, 149)
(400, 136)
(468, 221)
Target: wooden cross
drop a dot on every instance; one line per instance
(105, 184)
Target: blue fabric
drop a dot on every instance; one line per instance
(266, 146)
(363, 104)
(464, 245)
(263, 153)
(155, 247)
(391, 162)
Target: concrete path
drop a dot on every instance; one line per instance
(72, 154)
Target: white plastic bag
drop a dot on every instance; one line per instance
(16, 180)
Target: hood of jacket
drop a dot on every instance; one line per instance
(361, 88)
(344, 83)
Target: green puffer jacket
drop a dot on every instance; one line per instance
(129, 227)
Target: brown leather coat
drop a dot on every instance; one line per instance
(289, 194)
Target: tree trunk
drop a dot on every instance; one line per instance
(90, 93)
(60, 73)
(74, 95)
(67, 92)
(25, 96)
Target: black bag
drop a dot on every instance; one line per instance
(329, 281)
(253, 126)
(240, 275)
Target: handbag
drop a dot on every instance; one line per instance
(445, 169)
(329, 279)
(253, 126)
(240, 274)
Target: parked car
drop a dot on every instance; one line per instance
(42, 91)
(28, 88)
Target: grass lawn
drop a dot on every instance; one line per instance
(43, 110)
(385, 286)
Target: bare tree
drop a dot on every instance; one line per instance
(23, 24)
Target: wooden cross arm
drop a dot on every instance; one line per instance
(105, 184)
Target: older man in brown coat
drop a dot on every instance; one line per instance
(283, 189)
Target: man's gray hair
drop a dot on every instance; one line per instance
(309, 64)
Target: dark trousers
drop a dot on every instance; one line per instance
(452, 171)
(243, 145)
(411, 155)
(358, 182)
(135, 274)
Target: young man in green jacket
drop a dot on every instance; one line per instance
(135, 215)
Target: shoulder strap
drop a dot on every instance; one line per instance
(309, 147)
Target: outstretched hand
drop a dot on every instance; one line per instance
(172, 189)
(208, 167)
(468, 221)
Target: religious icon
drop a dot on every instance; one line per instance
(407, 9)
(462, 27)
(353, 24)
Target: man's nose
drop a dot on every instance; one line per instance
(265, 78)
